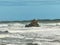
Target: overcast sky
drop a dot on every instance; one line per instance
(29, 9)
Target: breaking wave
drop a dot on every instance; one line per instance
(18, 34)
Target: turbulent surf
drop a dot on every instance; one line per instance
(17, 34)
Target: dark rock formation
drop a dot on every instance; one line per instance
(34, 23)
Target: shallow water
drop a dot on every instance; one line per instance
(35, 37)
(47, 34)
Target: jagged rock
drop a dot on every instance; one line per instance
(34, 23)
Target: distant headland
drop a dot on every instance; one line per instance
(40, 20)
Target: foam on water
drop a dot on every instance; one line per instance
(46, 34)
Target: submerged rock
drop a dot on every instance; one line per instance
(32, 44)
(3, 32)
(6, 31)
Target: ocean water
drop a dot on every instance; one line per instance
(18, 34)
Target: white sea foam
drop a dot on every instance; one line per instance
(46, 34)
